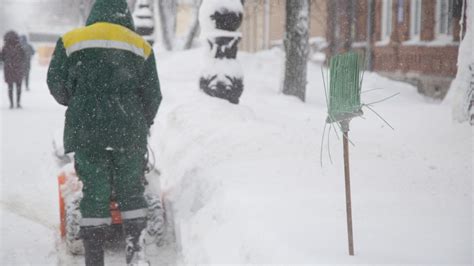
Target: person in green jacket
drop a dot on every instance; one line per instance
(106, 75)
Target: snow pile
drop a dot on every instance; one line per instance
(71, 190)
(144, 20)
(210, 7)
(145, 23)
(247, 185)
(461, 91)
(71, 193)
(222, 68)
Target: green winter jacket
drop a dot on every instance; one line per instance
(106, 75)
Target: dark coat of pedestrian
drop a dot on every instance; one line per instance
(29, 52)
(14, 60)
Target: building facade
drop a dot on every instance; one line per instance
(411, 40)
(264, 23)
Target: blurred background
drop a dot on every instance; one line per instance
(414, 41)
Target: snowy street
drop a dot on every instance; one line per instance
(246, 180)
(29, 197)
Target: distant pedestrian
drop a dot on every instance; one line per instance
(14, 59)
(29, 52)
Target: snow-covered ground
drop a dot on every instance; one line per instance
(28, 188)
(246, 180)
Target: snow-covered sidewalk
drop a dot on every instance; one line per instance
(246, 179)
(248, 186)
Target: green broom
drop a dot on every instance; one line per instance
(344, 103)
(345, 87)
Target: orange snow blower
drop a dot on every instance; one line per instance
(114, 210)
(70, 195)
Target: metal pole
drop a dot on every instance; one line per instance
(345, 128)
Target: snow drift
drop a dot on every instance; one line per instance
(461, 91)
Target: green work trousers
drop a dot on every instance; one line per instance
(106, 173)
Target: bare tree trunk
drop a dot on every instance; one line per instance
(168, 10)
(194, 28)
(341, 17)
(296, 47)
(331, 34)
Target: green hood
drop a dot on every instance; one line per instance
(111, 11)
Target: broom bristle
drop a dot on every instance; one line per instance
(344, 85)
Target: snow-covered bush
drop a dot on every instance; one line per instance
(222, 75)
(144, 20)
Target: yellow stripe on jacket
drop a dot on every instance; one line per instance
(106, 35)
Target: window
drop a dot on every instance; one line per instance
(444, 18)
(415, 19)
(386, 20)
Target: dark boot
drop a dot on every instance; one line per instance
(10, 95)
(18, 95)
(27, 79)
(135, 241)
(93, 238)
